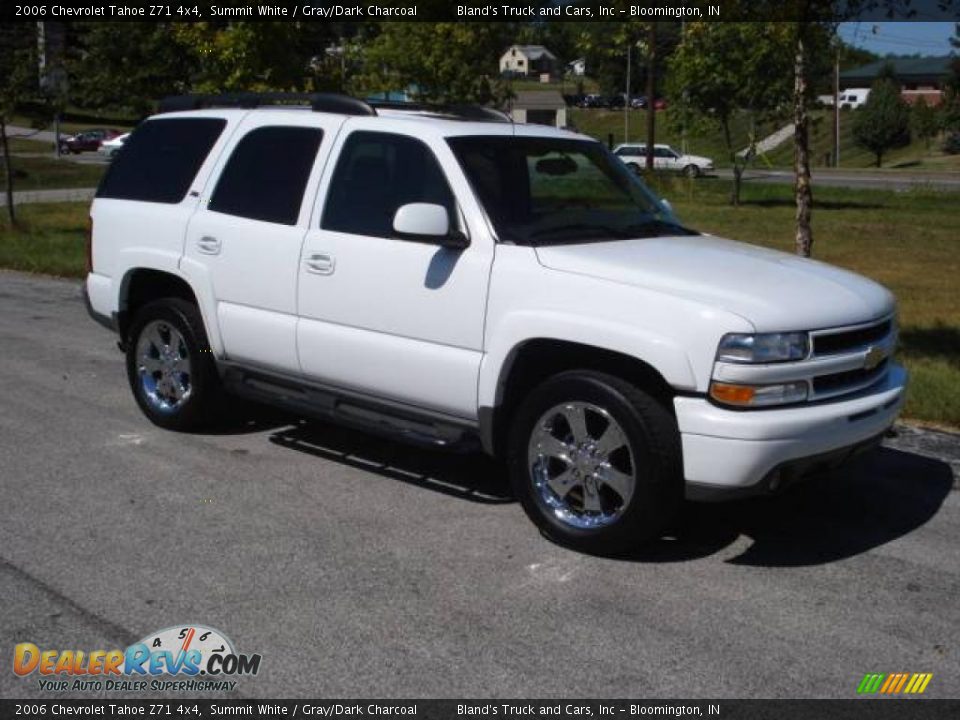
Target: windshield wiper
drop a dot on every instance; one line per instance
(583, 231)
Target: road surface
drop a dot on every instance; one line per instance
(357, 567)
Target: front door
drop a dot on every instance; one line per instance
(392, 318)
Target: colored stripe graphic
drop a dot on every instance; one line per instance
(870, 683)
(894, 683)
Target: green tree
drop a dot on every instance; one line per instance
(720, 70)
(245, 56)
(884, 120)
(19, 81)
(126, 66)
(440, 61)
(924, 122)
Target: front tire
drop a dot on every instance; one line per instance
(170, 366)
(595, 462)
(691, 171)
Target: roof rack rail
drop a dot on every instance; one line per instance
(477, 113)
(319, 102)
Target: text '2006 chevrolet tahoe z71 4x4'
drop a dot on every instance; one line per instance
(445, 275)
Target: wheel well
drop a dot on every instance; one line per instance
(536, 360)
(143, 286)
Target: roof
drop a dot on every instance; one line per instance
(539, 100)
(417, 122)
(534, 52)
(904, 69)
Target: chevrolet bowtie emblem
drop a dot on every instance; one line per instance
(874, 357)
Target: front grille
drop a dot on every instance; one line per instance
(847, 381)
(850, 340)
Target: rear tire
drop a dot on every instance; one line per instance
(596, 462)
(170, 367)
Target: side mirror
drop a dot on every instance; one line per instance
(426, 222)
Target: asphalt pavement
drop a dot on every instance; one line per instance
(358, 567)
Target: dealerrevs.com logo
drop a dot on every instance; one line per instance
(187, 658)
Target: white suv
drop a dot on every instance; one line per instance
(664, 158)
(448, 277)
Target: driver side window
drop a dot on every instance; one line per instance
(376, 174)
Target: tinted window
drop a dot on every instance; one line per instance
(160, 160)
(267, 174)
(541, 191)
(375, 175)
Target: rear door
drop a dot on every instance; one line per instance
(246, 236)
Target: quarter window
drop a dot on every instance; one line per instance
(267, 174)
(160, 159)
(375, 175)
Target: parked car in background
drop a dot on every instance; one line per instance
(86, 141)
(659, 104)
(639, 103)
(665, 157)
(111, 147)
(615, 102)
(592, 101)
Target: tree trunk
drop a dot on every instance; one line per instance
(651, 87)
(11, 211)
(801, 139)
(737, 169)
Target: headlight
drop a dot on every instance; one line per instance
(758, 395)
(763, 347)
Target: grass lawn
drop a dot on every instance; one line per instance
(50, 239)
(27, 145)
(40, 173)
(916, 155)
(906, 240)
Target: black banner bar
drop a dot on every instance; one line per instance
(867, 709)
(475, 11)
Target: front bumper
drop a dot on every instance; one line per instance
(744, 452)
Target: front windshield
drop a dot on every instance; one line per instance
(545, 191)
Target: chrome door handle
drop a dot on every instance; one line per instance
(320, 264)
(208, 245)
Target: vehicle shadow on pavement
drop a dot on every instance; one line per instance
(469, 476)
(873, 500)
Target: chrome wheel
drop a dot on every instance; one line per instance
(581, 465)
(163, 366)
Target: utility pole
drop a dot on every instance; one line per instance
(836, 106)
(651, 110)
(626, 97)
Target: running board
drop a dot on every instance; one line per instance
(382, 417)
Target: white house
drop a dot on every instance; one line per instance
(528, 60)
(578, 67)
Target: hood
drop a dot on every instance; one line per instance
(696, 159)
(772, 290)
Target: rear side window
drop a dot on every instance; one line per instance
(267, 174)
(375, 175)
(160, 159)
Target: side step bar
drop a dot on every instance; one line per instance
(388, 419)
